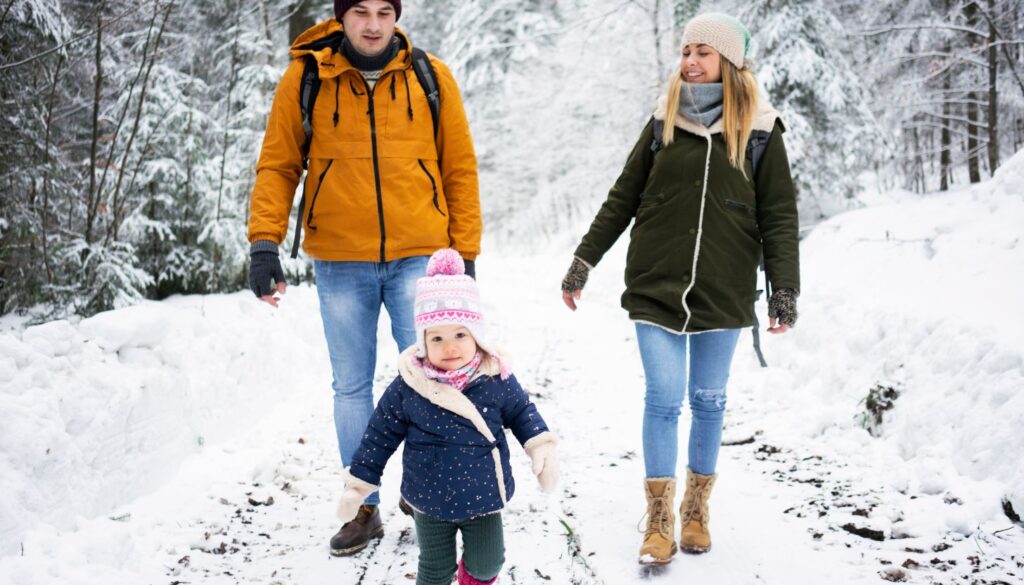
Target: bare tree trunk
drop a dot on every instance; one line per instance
(187, 207)
(97, 95)
(224, 154)
(47, 172)
(656, 26)
(920, 185)
(973, 151)
(3, 18)
(301, 18)
(123, 116)
(227, 114)
(970, 10)
(117, 206)
(945, 156)
(993, 94)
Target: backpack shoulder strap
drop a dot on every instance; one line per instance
(659, 127)
(309, 87)
(308, 90)
(756, 146)
(427, 77)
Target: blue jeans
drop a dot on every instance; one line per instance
(664, 356)
(351, 294)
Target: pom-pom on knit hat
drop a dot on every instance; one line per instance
(342, 6)
(449, 296)
(722, 32)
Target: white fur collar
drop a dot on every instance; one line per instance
(444, 395)
(764, 119)
(447, 397)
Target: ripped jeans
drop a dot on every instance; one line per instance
(669, 380)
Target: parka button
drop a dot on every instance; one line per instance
(693, 231)
(697, 183)
(686, 278)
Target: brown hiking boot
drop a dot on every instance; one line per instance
(355, 535)
(659, 538)
(693, 513)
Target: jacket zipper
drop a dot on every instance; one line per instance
(312, 203)
(376, 167)
(433, 185)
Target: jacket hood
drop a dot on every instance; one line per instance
(312, 42)
(764, 119)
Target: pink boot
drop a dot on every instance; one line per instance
(466, 579)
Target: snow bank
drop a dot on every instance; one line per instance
(98, 413)
(923, 296)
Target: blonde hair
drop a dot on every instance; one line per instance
(739, 97)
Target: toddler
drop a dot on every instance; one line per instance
(452, 399)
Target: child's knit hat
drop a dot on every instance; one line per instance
(448, 296)
(722, 32)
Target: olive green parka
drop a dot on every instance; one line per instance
(700, 227)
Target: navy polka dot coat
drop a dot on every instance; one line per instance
(456, 460)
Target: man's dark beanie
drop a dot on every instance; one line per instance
(342, 6)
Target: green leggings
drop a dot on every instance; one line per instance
(483, 544)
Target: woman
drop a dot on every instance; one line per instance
(710, 193)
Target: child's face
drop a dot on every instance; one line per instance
(449, 347)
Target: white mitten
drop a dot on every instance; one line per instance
(356, 490)
(541, 450)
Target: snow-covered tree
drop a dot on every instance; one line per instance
(800, 53)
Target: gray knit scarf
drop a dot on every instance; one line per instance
(701, 102)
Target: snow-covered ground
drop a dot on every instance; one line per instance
(190, 441)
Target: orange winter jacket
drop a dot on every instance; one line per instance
(379, 186)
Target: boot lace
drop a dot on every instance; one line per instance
(659, 514)
(695, 506)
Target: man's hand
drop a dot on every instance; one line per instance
(264, 267)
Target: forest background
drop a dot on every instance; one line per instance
(131, 128)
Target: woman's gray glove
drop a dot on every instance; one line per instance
(782, 306)
(574, 281)
(576, 278)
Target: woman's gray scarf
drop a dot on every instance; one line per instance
(701, 102)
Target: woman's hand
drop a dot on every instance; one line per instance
(574, 281)
(782, 310)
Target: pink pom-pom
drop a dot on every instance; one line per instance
(446, 261)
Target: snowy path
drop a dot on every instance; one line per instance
(597, 412)
(808, 497)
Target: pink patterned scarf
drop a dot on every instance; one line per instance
(456, 378)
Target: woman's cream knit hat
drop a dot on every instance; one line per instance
(722, 32)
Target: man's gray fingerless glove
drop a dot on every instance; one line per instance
(576, 278)
(782, 305)
(264, 266)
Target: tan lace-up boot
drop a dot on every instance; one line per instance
(693, 513)
(659, 538)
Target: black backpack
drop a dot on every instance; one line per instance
(309, 87)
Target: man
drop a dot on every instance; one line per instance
(383, 192)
